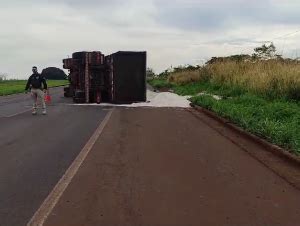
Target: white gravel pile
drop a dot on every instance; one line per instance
(164, 99)
(216, 97)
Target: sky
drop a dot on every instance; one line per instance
(177, 32)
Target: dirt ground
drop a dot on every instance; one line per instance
(174, 167)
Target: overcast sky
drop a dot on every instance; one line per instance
(173, 32)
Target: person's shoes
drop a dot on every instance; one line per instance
(34, 112)
(44, 112)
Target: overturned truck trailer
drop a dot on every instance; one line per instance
(116, 78)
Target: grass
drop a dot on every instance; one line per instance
(196, 87)
(278, 121)
(263, 98)
(8, 87)
(272, 79)
(159, 83)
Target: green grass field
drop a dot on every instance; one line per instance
(278, 121)
(17, 86)
(275, 119)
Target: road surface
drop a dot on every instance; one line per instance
(168, 167)
(149, 166)
(35, 151)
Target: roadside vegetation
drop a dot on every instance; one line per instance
(8, 87)
(260, 93)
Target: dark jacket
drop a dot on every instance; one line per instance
(36, 81)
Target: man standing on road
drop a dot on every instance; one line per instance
(37, 84)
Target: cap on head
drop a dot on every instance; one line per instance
(34, 67)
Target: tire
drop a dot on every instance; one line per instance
(79, 94)
(78, 100)
(67, 92)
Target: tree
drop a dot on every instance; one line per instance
(164, 74)
(54, 73)
(265, 51)
(2, 76)
(150, 73)
(236, 58)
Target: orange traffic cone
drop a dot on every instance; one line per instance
(48, 98)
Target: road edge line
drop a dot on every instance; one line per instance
(41, 215)
(16, 114)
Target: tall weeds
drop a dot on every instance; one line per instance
(272, 78)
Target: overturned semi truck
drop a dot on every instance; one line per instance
(117, 78)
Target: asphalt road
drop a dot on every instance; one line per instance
(176, 167)
(35, 151)
(18, 103)
(148, 167)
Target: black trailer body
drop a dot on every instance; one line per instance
(128, 76)
(117, 78)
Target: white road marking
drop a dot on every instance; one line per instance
(49, 203)
(19, 113)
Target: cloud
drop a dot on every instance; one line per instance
(205, 16)
(41, 32)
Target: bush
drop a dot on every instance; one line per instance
(53, 73)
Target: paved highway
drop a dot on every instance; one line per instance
(35, 151)
(146, 166)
